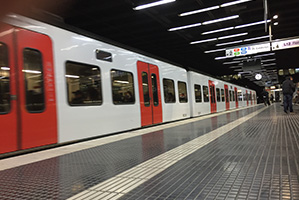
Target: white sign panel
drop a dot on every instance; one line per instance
(247, 50)
(285, 44)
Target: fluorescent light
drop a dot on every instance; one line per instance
(231, 36)
(5, 68)
(252, 24)
(125, 82)
(216, 50)
(201, 41)
(184, 27)
(257, 38)
(268, 54)
(275, 17)
(199, 11)
(32, 71)
(232, 62)
(233, 3)
(219, 30)
(72, 76)
(227, 43)
(269, 60)
(220, 58)
(275, 23)
(153, 4)
(271, 64)
(220, 20)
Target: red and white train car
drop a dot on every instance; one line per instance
(58, 86)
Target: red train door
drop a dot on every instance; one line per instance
(236, 97)
(32, 92)
(226, 97)
(8, 108)
(212, 97)
(149, 93)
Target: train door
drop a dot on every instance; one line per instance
(236, 97)
(250, 97)
(247, 97)
(149, 93)
(226, 97)
(212, 97)
(31, 96)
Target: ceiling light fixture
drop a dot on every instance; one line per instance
(275, 23)
(153, 4)
(219, 30)
(220, 58)
(231, 36)
(216, 50)
(220, 20)
(202, 41)
(232, 62)
(251, 24)
(199, 11)
(227, 43)
(275, 17)
(271, 64)
(184, 27)
(269, 60)
(268, 54)
(233, 3)
(257, 38)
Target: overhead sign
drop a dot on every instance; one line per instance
(248, 50)
(285, 44)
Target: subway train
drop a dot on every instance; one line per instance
(58, 86)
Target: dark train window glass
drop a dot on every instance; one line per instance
(244, 97)
(122, 87)
(226, 95)
(222, 95)
(205, 93)
(197, 90)
(84, 86)
(155, 89)
(230, 95)
(34, 80)
(4, 80)
(240, 96)
(233, 95)
(102, 55)
(169, 93)
(145, 87)
(218, 94)
(183, 96)
(212, 94)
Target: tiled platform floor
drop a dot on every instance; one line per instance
(246, 154)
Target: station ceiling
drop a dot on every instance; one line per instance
(148, 30)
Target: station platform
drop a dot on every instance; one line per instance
(249, 153)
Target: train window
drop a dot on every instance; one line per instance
(222, 95)
(226, 95)
(230, 95)
(155, 90)
(83, 84)
(240, 96)
(169, 93)
(218, 94)
(205, 93)
(102, 55)
(182, 92)
(4, 80)
(197, 90)
(122, 87)
(34, 80)
(145, 87)
(233, 95)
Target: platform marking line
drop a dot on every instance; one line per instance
(60, 151)
(126, 181)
